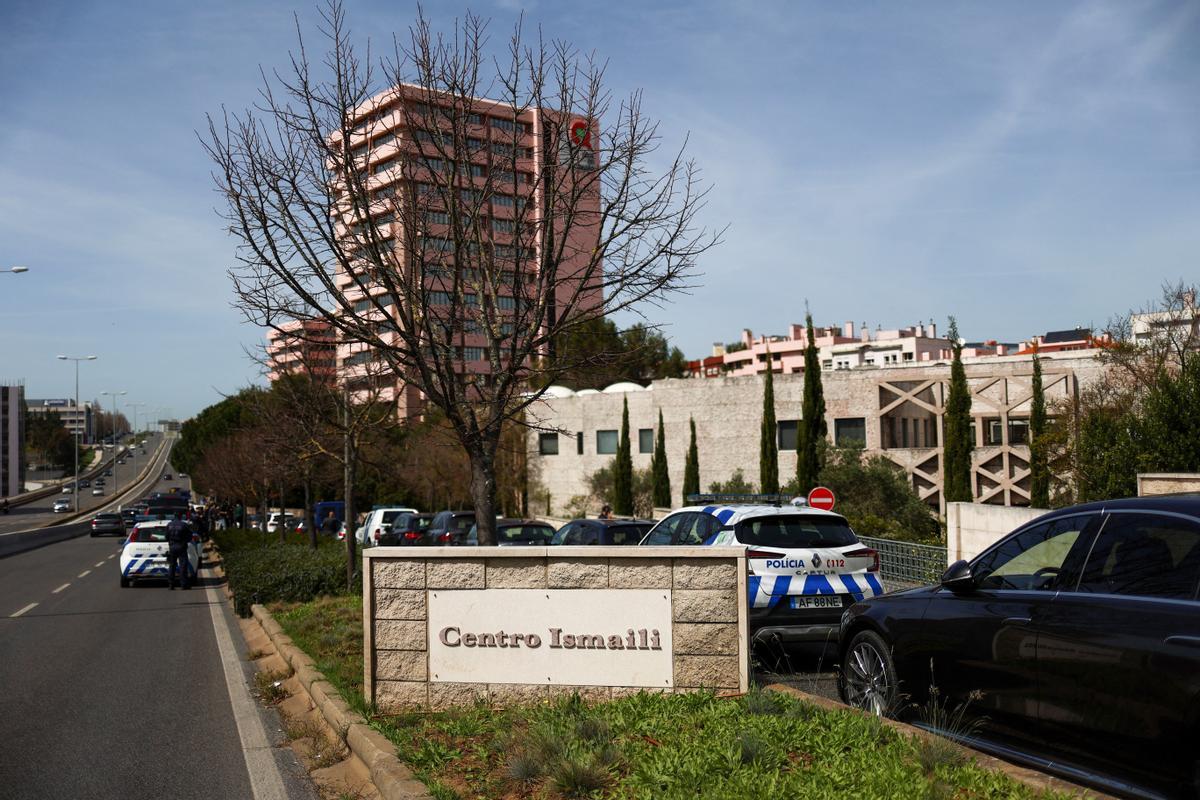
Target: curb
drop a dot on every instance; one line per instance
(1039, 781)
(393, 780)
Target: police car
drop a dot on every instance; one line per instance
(805, 565)
(144, 553)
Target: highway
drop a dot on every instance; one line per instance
(127, 693)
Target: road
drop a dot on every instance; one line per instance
(130, 693)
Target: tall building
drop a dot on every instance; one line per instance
(12, 440)
(78, 420)
(302, 347)
(431, 165)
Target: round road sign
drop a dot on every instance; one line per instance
(821, 498)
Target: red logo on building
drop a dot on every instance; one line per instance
(581, 133)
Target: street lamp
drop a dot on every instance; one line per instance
(78, 423)
(135, 407)
(15, 269)
(113, 433)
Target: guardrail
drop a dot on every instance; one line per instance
(905, 564)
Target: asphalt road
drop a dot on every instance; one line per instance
(123, 693)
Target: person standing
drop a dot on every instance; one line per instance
(330, 524)
(179, 538)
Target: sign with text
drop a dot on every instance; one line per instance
(570, 637)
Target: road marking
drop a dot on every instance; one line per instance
(59, 589)
(265, 781)
(112, 556)
(99, 564)
(84, 574)
(22, 611)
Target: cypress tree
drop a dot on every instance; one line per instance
(956, 450)
(623, 472)
(658, 468)
(691, 466)
(768, 448)
(1039, 469)
(812, 429)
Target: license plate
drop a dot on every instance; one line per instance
(815, 601)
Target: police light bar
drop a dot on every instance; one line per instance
(737, 499)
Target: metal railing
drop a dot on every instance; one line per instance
(904, 564)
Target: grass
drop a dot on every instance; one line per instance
(762, 745)
(269, 686)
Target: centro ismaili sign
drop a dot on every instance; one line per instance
(579, 637)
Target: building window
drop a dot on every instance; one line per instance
(474, 119)
(437, 217)
(849, 430)
(1018, 431)
(502, 225)
(383, 166)
(362, 305)
(993, 431)
(473, 354)
(385, 139)
(646, 440)
(579, 443)
(606, 442)
(506, 303)
(505, 200)
(439, 298)
(477, 171)
(548, 444)
(787, 431)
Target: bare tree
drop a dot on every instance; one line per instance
(452, 237)
(1157, 338)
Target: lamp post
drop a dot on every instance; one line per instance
(113, 433)
(15, 270)
(134, 449)
(78, 424)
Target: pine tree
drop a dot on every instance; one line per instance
(623, 474)
(956, 450)
(691, 466)
(768, 448)
(812, 429)
(658, 468)
(1039, 469)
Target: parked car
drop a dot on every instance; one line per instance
(450, 527)
(1073, 643)
(61, 505)
(409, 528)
(378, 523)
(273, 522)
(515, 532)
(603, 531)
(166, 476)
(806, 565)
(107, 524)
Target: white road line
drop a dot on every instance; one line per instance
(112, 556)
(59, 589)
(22, 611)
(265, 780)
(84, 574)
(99, 564)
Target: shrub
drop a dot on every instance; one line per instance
(284, 572)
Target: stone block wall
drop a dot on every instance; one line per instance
(708, 614)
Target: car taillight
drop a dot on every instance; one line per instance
(94, 523)
(445, 537)
(133, 534)
(376, 534)
(866, 552)
(762, 554)
(412, 536)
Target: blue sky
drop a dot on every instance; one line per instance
(1024, 166)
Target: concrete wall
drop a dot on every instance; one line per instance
(709, 633)
(1152, 483)
(971, 527)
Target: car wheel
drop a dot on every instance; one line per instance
(124, 582)
(868, 675)
(92, 534)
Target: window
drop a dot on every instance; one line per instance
(506, 303)
(475, 354)
(664, 532)
(474, 119)
(993, 431)
(505, 200)
(439, 298)
(646, 440)
(1018, 431)
(786, 433)
(383, 166)
(437, 217)
(385, 139)
(849, 430)
(507, 124)
(548, 444)
(502, 225)
(1034, 559)
(579, 443)
(795, 530)
(1145, 555)
(362, 305)
(477, 171)
(606, 442)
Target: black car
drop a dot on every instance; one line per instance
(1072, 644)
(603, 532)
(450, 527)
(516, 533)
(129, 517)
(407, 529)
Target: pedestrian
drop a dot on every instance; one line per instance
(330, 524)
(606, 512)
(179, 538)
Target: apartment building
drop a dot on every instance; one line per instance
(12, 440)
(894, 412)
(78, 420)
(302, 347)
(431, 166)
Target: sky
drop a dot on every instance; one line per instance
(1023, 166)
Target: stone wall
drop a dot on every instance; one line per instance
(1152, 483)
(972, 528)
(709, 619)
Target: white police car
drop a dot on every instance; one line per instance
(806, 565)
(144, 552)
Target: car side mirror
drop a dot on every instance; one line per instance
(958, 577)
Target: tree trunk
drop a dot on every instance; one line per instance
(350, 456)
(281, 528)
(483, 491)
(309, 523)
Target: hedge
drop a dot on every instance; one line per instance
(261, 570)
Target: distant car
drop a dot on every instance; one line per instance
(167, 476)
(408, 529)
(84, 483)
(273, 522)
(183, 474)
(108, 524)
(516, 533)
(129, 517)
(61, 505)
(603, 532)
(98, 491)
(450, 527)
(68, 489)
(100, 482)
(379, 524)
(144, 553)
(108, 472)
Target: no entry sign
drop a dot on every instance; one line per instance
(821, 498)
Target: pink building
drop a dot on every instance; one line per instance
(304, 347)
(838, 348)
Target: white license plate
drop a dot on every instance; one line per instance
(815, 601)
